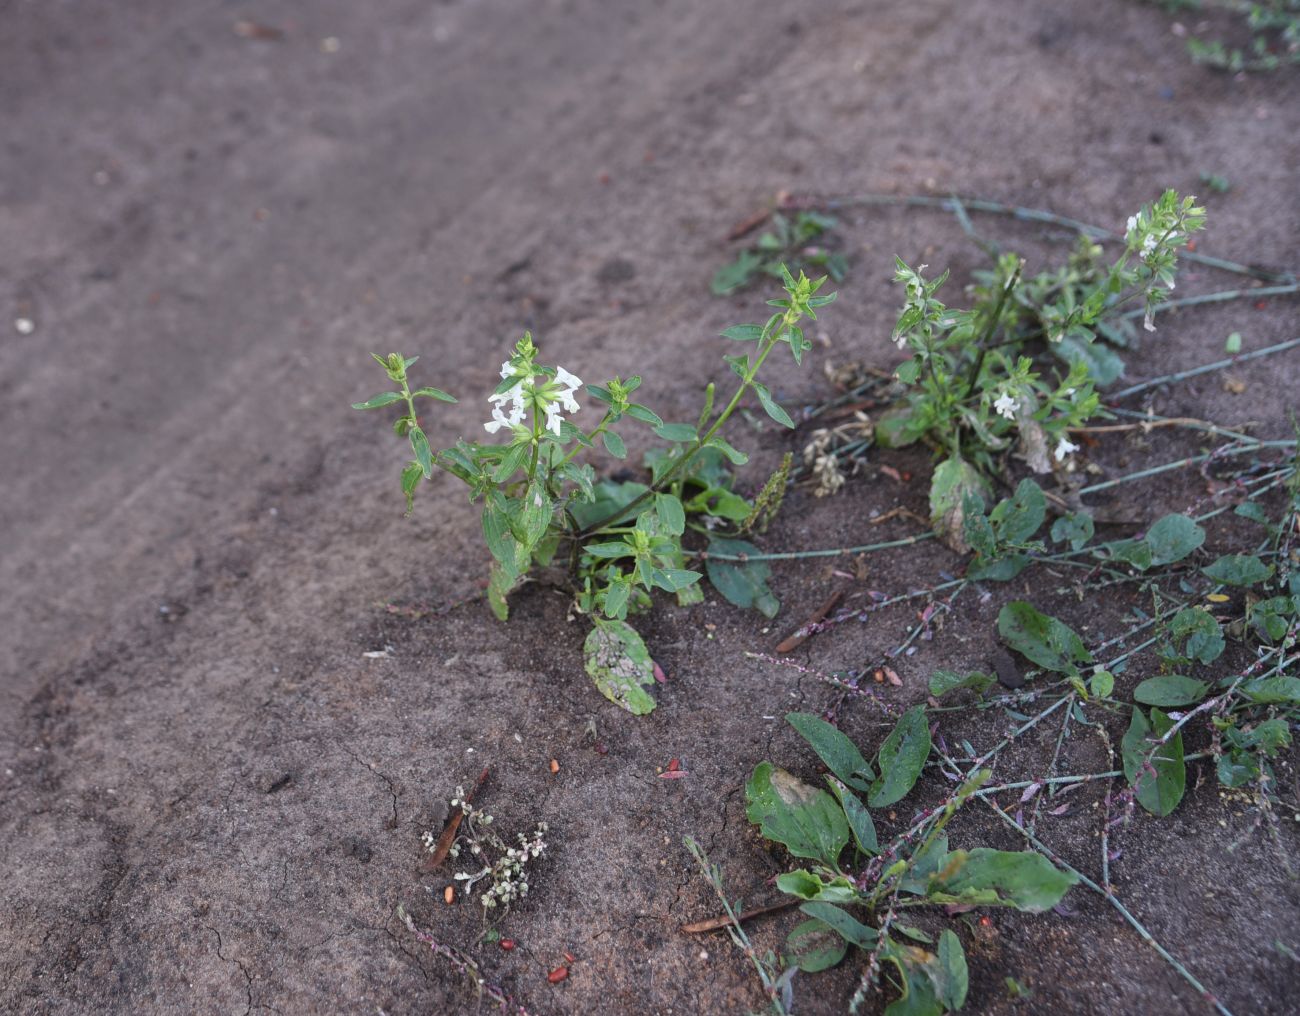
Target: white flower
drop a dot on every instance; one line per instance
(1148, 244)
(1005, 406)
(506, 369)
(553, 418)
(567, 400)
(1065, 447)
(499, 420)
(570, 381)
(1132, 224)
(515, 396)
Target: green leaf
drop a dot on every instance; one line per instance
(771, 407)
(1170, 690)
(956, 976)
(620, 664)
(920, 972)
(1273, 690)
(609, 498)
(955, 480)
(1204, 637)
(1251, 510)
(511, 462)
(808, 886)
(859, 819)
(1160, 786)
(614, 444)
(806, 820)
(1042, 639)
(434, 393)
(736, 458)
(1172, 538)
(679, 433)
(743, 584)
(735, 275)
(1022, 879)
(1101, 683)
(1134, 552)
(410, 480)
(610, 549)
(944, 681)
(382, 399)
(1239, 570)
(814, 946)
(500, 585)
(1076, 529)
(534, 515)
(834, 748)
(502, 543)
(844, 924)
(423, 454)
(744, 333)
(1271, 617)
(1105, 366)
(671, 514)
(1018, 517)
(902, 757)
(644, 414)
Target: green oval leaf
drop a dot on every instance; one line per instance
(834, 748)
(902, 757)
(1239, 570)
(382, 399)
(620, 665)
(1170, 690)
(1041, 638)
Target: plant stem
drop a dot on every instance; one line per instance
(989, 330)
(1206, 368)
(1033, 215)
(1110, 897)
(769, 343)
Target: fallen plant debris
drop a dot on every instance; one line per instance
(441, 847)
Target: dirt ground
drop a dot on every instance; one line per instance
(211, 799)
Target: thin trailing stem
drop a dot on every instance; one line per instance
(1110, 897)
(951, 204)
(1182, 375)
(773, 984)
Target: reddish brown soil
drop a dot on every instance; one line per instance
(211, 801)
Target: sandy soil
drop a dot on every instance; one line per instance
(211, 800)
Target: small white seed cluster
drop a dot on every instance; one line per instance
(509, 881)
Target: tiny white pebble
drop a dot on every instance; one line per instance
(330, 45)
(704, 954)
(24, 326)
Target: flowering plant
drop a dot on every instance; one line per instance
(974, 393)
(612, 543)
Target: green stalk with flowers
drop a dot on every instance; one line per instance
(612, 544)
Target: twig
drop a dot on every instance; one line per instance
(448, 835)
(718, 923)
